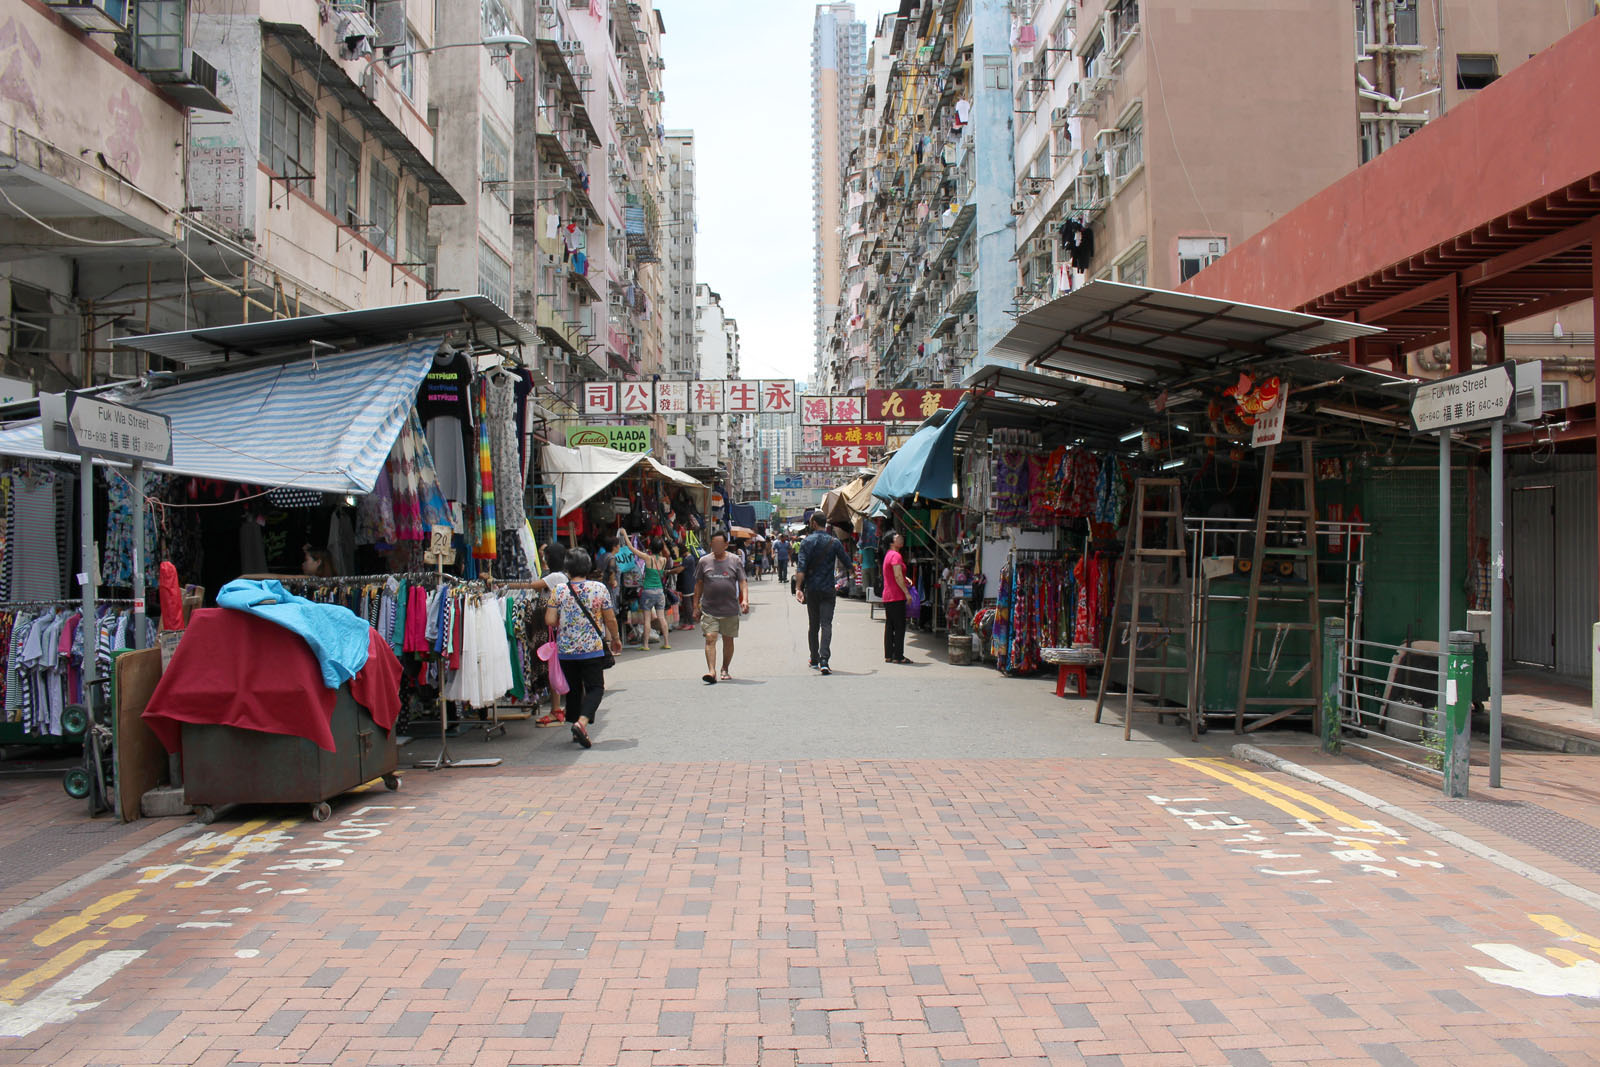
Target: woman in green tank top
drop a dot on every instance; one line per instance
(652, 592)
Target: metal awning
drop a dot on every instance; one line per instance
(326, 424)
(1061, 408)
(307, 50)
(467, 318)
(1129, 335)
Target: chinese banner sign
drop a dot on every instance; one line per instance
(847, 456)
(845, 408)
(811, 438)
(871, 436)
(600, 398)
(705, 398)
(777, 397)
(814, 410)
(744, 398)
(672, 398)
(908, 405)
(636, 398)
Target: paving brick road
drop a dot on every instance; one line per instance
(860, 869)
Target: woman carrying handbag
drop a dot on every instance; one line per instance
(585, 648)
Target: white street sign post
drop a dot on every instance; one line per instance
(118, 431)
(1474, 399)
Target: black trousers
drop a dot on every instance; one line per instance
(819, 632)
(783, 570)
(587, 681)
(894, 629)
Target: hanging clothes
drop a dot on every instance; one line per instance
(486, 543)
(505, 450)
(444, 404)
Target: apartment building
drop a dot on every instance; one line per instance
(678, 316)
(717, 440)
(838, 64)
(301, 181)
(1142, 158)
(928, 275)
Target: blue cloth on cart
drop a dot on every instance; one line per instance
(336, 635)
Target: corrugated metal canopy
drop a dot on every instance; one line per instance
(1130, 335)
(1061, 407)
(478, 317)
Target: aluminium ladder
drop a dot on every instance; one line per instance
(1286, 522)
(1150, 615)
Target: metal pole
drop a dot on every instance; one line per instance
(91, 663)
(1455, 716)
(1497, 592)
(1444, 566)
(136, 639)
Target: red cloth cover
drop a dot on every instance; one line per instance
(171, 598)
(234, 669)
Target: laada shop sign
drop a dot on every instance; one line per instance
(634, 439)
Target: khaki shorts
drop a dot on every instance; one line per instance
(726, 625)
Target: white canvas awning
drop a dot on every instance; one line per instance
(580, 474)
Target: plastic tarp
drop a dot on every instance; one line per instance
(924, 466)
(582, 473)
(325, 424)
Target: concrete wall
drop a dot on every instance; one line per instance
(995, 173)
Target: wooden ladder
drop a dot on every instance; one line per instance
(1284, 524)
(1154, 578)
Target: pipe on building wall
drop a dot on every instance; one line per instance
(1438, 50)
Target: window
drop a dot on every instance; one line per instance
(1058, 40)
(1124, 146)
(158, 34)
(1134, 268)
(997, 72)
(406, 68)
(1062, 135)
(288, 130)
(1362, 15)
(494, 18)
(1197, 253)
(383, 207)
(1370, 144)
(416, 228)
(342, 190)
(1476, 71)
(1124, 22)
(496, 163)
(1405, 22)
(1091, 53)
(494, 276)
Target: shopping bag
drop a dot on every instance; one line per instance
(914, 601)
(551, 655)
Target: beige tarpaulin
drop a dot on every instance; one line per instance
(580, 473)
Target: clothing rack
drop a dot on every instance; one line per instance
(62, 602)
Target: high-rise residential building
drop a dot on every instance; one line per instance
(1141, 158)
(838, 63)
(678, 244)
(263, 161)
(928, 233)
(715, 438)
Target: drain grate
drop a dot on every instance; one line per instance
(1549, 831)
(44, 850)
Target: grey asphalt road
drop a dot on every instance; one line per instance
(656, 708)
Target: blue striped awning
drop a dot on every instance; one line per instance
(325, 424)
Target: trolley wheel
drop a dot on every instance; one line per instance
(76, 783)
(321, 811)
(205, 814)
(391, 782)
(74, 720)
(1200, 723)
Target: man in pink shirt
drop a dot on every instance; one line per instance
(895, 591)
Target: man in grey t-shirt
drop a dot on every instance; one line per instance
(721, 596)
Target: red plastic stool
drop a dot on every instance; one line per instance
(1075, 671)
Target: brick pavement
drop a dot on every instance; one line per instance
(1134, 911)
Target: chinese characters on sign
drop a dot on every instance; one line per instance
(1466, 399)
(847, 456)
(811, 438)
(704, 397)
(812, 461)
(908, 405)
(846, 408)
(871, 436)
(814, 410)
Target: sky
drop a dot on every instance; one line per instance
(739, 75)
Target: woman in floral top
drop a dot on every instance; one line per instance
(580, 643)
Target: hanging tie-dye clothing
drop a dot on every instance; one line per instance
(486, 544)
(1009, 499)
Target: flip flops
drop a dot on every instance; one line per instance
(709, 679)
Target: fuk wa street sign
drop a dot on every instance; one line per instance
(1464, 400)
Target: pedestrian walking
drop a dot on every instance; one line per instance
(721, 596)
(896, 590)
(781, 551)
(814, 573)
(653, 592)
(686, 580)
(554, 556)
(583, 646)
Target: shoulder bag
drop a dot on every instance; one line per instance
(607, 660)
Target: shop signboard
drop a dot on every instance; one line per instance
(789, 481)
(116, 430)
(634, 439)
(847, 456)
(812, 461)
(1463, 400)
(908, 405)
(862, 434)
(1268, 428)
(708, 396)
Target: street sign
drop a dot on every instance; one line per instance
(118, 431)
(1465, 400)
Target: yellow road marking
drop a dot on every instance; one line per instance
(1354, 822)
(48, 970)
(1567, 956)
(1243, 786)
(1566, 931)
(75, 924)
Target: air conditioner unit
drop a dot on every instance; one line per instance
(193, 84)
(369, 82)
(1528, 381)
(572, 48)
(1058, 116)
(1025, 71)
(96, 16)
(1019, 206)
